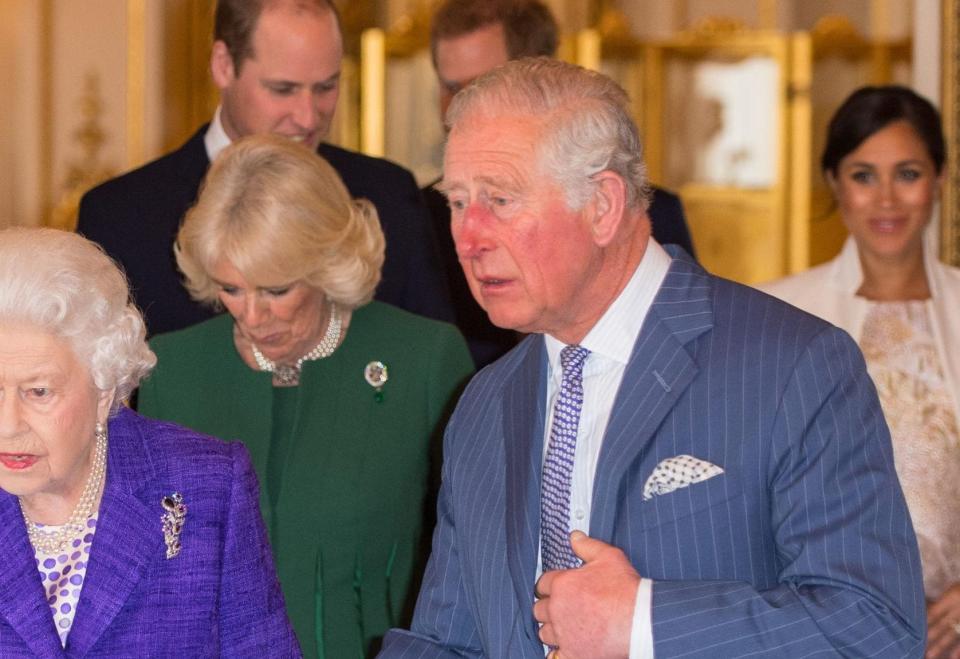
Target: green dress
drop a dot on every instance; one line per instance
(344, 469)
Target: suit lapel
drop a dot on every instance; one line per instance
(127, 540)
(181, 178)
(23, 604)
(659, 370)
(523, 451)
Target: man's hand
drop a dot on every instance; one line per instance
(943, 625)
(588, 611)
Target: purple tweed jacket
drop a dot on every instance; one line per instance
(218, 598)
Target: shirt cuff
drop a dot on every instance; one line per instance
(641, 636)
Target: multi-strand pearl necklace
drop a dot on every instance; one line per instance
(286, 374)
(52, 539)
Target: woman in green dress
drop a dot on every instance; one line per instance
(339, 399)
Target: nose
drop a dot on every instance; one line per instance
(11, 416)
(471, 231)
(887, 192)
(254, 310)
(305, 112)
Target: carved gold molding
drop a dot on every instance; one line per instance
(950, 207)
(86, 172)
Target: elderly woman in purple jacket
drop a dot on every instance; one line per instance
(119, 536)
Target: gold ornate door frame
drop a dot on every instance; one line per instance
(744, 229)
(950, 208)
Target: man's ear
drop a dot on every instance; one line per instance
(607, 205)
(221, 65)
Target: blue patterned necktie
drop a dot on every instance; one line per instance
(556, 552)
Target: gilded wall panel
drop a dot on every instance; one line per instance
(950, 209)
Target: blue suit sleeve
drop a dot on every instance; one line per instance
(849, 583)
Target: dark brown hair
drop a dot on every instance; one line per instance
(235, 21)
(528, 26)
(870, 109)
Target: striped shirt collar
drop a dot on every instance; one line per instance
(616, 332)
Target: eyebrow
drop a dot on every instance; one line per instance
(296, 83)
(445, 188)
(501, 182)
(44, 374)
(270, 287)
(899, 163)
(332, 78)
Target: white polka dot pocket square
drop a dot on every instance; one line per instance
(680, 471)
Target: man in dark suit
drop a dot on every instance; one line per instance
(725, 452)
(277, 65)
(467, 39)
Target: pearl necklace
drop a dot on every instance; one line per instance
(49, 539)
(288, 375)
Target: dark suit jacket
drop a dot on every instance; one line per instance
(488, 342)
(218, 598)
(801, 547)
(135, 217)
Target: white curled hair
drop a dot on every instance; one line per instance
(64, 284)
(585, 117)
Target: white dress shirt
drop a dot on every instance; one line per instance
(610, 343)
(215, 139)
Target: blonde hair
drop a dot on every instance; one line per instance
(279, 214)
(64, 284)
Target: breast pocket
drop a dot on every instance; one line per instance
(718, 491)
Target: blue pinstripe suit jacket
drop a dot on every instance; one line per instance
(802, 547)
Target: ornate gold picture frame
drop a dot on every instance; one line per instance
(950, 208)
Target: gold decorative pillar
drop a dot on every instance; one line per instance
(46, 105)
(950, 208)
(373, 102)
(800, 109)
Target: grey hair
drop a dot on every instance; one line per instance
(64, 284)
(586, 121)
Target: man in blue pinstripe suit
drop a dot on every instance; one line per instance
(732, 470)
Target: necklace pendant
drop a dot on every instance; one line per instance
(286, 376)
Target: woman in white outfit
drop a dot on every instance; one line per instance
(884, 162)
